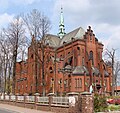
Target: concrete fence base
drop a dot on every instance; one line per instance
(83, 104)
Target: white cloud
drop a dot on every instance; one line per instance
(83, 12)
(73, 10)
(108, 34)
(18, 2)
(5, 19)
(73, 5)
(102, 15)
(4, 4)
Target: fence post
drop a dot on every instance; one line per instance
(4, 96)
(85, 102)
(36, 99)
(25, 98)
(0, 96)
(50, 95)
(10, 97)
(16, 98)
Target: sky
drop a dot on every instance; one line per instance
(102, 15)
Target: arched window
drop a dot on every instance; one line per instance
(66, 63)
(68, 52)
(75, 61)
(104, 67)
(98, 66)
(32, 56)
(70, 60)
(51, 70)
(80, 82)
(78, 48)
(91, 57)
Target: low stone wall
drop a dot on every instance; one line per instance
(84, 104)
(20, 104)
(43, 108)
(30, 105)
(60, 109)
(56, 109)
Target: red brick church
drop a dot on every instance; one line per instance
(69, 62)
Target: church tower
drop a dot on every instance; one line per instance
(61, 25)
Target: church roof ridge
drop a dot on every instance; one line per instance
(74, 30)
(77, 34)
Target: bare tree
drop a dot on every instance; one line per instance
(1, 76)
(16, 35)
(38, 25)
(117, 72)
(9, 79)
(111, 57)
(5, 57)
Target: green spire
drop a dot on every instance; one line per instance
(61, 25)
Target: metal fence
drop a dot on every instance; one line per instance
(43, 100)
(61, 100)
(57, 101)
(6, 97)
(13, 98)
(30, 99)
(20, 98)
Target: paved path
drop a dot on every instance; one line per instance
(110, 112)
(6, 111)
(16, 109)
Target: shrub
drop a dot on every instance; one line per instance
(100, 103)
(114, 107)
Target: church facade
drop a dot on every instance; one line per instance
(64, 64)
